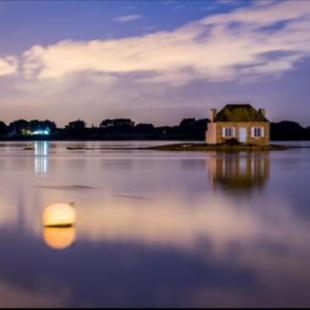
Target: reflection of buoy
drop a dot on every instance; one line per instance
(59, 220)
(59, 215)
(59, 238)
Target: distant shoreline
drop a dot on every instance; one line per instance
(218, 148)
(53, 139)
(177, 146)
(188, 129)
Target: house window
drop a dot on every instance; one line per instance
(228, 132)
(257, 132)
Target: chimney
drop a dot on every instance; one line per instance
(213, 113)
(262, 112)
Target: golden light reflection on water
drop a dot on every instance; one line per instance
(59, 238)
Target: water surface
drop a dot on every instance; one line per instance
(154, 228)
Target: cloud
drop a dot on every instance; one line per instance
(8, 66)
(267, 12)
(127, 18)
(223, 47)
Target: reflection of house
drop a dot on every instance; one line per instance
(239, 121)
(237, 172)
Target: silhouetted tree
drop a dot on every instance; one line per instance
(49, 124)
(190, 128)
(119, 122)
(307, 133)
(34, 125)
(287, 130)
(123, 128)
(3, 128)
(187, 122)
(79, 124)
(145, 128)
(16, 127)
(76, 128)
(42, 125)
(146, 131)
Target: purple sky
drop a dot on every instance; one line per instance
(153, 61)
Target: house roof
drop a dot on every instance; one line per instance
(239, 113)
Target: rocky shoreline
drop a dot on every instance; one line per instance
(218, 147)
(192, 147)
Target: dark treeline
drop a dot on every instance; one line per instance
(126, 129)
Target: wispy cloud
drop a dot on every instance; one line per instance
(150, 28)
(127, 18)
(264, 2)
(224, 47)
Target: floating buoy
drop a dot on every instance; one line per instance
(59, 215)
(59, 220)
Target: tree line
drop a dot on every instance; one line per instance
(126, 129)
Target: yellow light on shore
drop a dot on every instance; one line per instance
(59, 215)
(59, 238)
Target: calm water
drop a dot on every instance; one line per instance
(154, 228)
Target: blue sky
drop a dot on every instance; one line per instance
(154, 61)
(46, 22)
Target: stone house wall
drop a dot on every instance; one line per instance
(236, 125)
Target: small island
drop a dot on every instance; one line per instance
(224, 147)
(235, 128)
(231, 145)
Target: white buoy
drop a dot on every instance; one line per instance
(59, 220)
(59, 215)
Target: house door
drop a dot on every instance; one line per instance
(243, 135)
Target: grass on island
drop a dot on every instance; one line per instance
(229, 146)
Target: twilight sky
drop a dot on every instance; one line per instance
(153, 61)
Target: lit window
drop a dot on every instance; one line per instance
(228, 132)
(257, 132)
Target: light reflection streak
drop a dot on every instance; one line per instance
(41, 151)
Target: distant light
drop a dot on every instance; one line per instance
(41, 132)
